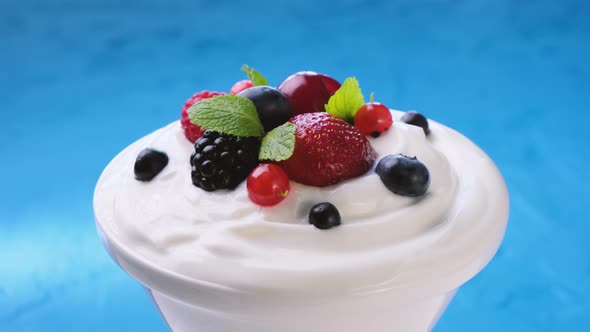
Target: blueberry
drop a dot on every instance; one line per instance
(324, 216)
(416, 119)
(272, 106)
(403, 175)
(149, 163)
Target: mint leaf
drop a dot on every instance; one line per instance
(254, 75)
(228, 114)
(347, 100)
(279, 143)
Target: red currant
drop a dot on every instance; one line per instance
(268, 185)
(240, 86)
(373, 119)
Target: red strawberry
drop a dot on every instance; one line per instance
(327, 150)
(192, 131)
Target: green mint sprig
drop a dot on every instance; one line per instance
(279, 143)
(228, 114)
(254, 75)
(235, 115)
(346, 101)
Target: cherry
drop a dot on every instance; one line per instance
(268, 185)
(373, 119)
(240, 86)
(308, 91)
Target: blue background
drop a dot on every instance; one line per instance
(79, 80)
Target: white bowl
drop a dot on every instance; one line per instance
(191, 305)
(408, 298)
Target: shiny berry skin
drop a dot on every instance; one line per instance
(149, 163)
(373, 119)
(308, 91)
(327, 150)
(191, 131)
(223, 161)
(416, 119)
(324, 216)
(272, 106)
(403, 175)
(240, 86)
(268, 185)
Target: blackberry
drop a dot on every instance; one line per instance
(223, 161)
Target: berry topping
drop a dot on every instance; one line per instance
(327, 150)
(373, 119)
(240, 86)
(308, 91)
(230, 114)
(149, 163)
(192, 131)
(416, 119)
(223, 161)
(324, 216)
(403, 175)
(272, 106)
(268, 185)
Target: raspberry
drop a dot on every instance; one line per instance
(192, 131)
(223, 161)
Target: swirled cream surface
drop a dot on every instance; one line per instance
(385, 240)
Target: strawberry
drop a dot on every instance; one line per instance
(327, 150)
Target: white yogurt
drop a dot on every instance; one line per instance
(385, 240)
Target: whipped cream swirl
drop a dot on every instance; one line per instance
(384, 240)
